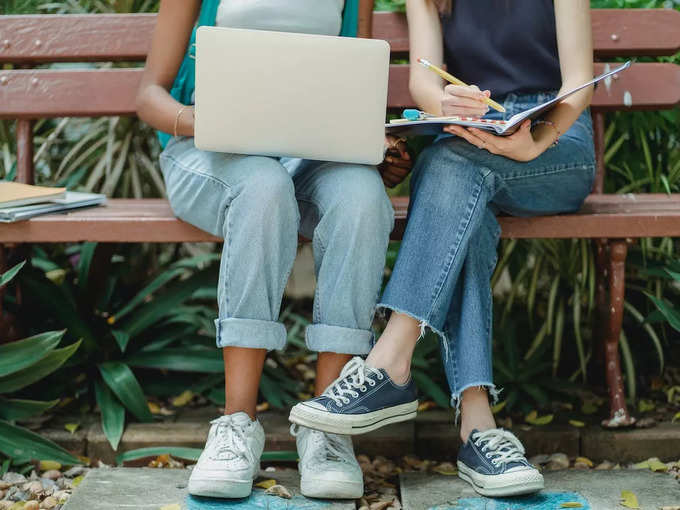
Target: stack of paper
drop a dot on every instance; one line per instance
(22, 201)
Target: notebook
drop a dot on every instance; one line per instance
(71, 200)
(433, 125)
(15, 194)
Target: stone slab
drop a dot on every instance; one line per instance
(633, 445)
(600, 490)
(152, 489)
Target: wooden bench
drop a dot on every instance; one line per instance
(27, 94)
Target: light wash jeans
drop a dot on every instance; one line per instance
(258, 205)
(448, 253)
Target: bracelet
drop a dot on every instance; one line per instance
(179, 112)
(552, 125)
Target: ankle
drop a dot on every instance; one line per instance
(397, 370)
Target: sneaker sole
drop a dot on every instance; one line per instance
(351, 424)
(328, 489)
(229, 489)
(509, 489)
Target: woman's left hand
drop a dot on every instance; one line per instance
(520, 146)
(397, 163)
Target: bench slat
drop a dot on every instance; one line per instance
(89, 93)
(151, 220)
(616, 32)
(111, 37)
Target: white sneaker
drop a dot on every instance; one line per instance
(328, 467)
(231, 458)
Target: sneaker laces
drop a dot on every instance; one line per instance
(353, 377)
(231, 440)
(326, 447)
(502, 446)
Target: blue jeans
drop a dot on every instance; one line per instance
(258, 205)
(448, 253)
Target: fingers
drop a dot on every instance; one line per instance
(476, 137)
(398, 162)
(467, 101)
(471, 92)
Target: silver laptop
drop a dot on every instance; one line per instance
(295, 95)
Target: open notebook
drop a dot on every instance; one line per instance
(433, 125)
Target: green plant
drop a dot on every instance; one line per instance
(22, 364)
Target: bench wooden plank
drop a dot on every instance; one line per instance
(115, 37)
(637, 81)
(616, 32)
(43, 93)
(151, 220)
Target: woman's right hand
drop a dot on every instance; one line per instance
(464, 101)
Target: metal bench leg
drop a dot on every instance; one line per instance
(618, 416)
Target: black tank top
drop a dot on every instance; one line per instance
(503, 45)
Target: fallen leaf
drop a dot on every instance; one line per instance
(280, 491)
(646, 405)
(266, 484)
(589, 407)
(46, 465)
(656, 465)
(426, 406)
(498, 407)
(576, 423)
(539, 420)
(676, 417)
(174, 506)
(84, 460)
(445, 468)
(72, 427)
(182, 399)
(584, 460)
(571, 504)
(76, 481)
(154, 408)
(629, 500)
(264, 406)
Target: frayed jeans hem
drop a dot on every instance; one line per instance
(456, 397)
(250, 333)
(423, 323)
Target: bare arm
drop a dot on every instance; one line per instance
(155, 105)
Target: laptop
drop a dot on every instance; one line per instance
(291, 95)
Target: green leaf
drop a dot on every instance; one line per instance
(125, 386)
(6, 277)
(15, 356)
(37, 371)
(86, 254)
(113, 414)
(16, 409)
(179, 452)
(672, 315)
(430, 388)
(122, 339)
(18, 442)
(190, 360)
(164, 304)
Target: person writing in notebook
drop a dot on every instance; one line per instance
(259, 205)
(522, 52)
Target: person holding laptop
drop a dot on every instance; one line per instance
(259, 205)
(522, 51)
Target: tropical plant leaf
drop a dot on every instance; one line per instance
(179, 452)
(18, 442)
(122, 339)
(38, 370)
(113, 414)
(120, 379)
(671, 314)
(16, 356)
(16, 409)
(7, 276)
(430, 388)
(190, 360)
(86, 255)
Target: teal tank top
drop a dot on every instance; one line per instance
(183, 86)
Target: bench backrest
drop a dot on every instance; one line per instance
(27, 93)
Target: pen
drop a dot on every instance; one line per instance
(452, 79)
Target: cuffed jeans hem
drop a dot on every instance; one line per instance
(250, 333)
(325, 338)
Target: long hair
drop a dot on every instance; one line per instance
(444, 6)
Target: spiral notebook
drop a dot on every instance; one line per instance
(433, 125)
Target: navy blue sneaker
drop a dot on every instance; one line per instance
(493, 463)
(360, 400)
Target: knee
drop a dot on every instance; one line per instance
(267, 184)
(363, 205)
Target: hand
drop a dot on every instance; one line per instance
(397, 163)
(464, 101)
(520, 146)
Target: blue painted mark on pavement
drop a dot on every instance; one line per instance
(258, 500)
(541, 501)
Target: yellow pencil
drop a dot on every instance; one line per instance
(452, 79)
